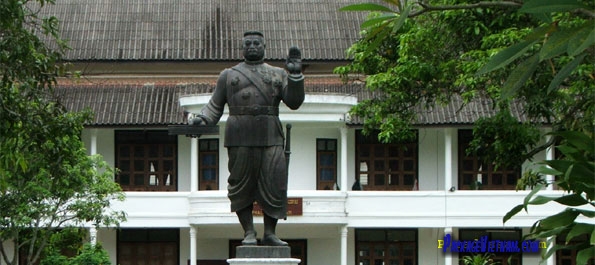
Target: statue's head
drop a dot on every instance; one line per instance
(253, 45)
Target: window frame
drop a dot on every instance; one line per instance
(470, 167)
(380, 158)
(501, 257)
(386, 245)
(569, 255)
(164, 162)
(329, 148)
(149, 241)
(202, 152)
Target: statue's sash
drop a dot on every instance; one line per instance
(257, 82)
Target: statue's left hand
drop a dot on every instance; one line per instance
(294, 61)
(195, 120)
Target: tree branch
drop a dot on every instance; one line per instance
(429, 8)
(540, 148)
(585, 12)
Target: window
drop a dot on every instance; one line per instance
(495, 234)
(386, 246)
(208, 164)
(386, 166)
(148, 246)
(568, 256)
(146, 160)
(475, 174)
(298, 250)
(326, 164)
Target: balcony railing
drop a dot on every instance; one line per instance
(352, 208)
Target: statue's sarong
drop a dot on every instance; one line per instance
(258, 174)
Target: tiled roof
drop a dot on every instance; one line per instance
(456, 112)
(158, 104)
(203, 30)
(130, 104)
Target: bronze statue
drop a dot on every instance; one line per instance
(254, 135)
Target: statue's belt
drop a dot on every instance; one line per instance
(254, 110)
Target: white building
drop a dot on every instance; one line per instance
(144, 64)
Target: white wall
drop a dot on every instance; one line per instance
(213, 248)
(302, 167)
(302, 177)
(105, 143)
(428, 252)
(184, 163)
(9, 248)
(324, 251)
(184, 245)
(108, 239)
(351, 246)
(431, 157)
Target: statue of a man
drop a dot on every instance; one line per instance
(254, 135)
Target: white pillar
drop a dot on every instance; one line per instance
(193, 164)
(447, 159)
(549, 155)
(344, 179)
(93, 147)
(193, 256)
(448, 254)
(343, 231)
(93, 150)
(93, 235)
(551, 241)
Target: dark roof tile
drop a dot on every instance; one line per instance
(203, 30)
(158, 104)
(130, 104)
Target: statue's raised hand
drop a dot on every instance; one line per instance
(294, 61)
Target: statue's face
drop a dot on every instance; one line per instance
(253, 47)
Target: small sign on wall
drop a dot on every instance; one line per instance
(294, 207)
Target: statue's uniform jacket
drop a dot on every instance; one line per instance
(253, 93)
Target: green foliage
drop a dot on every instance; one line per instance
(536, 53)
(87, 255)
(91, 255)
(425, 53)
(47, 181)
(574, 173)
(502, 140)
(479, 259)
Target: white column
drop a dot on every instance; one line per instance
(551, 241)
(93, 150)
(93, 235)
(193, 164)
(343, 231)
(447, 159)
(344, 179)
(448, 255)
(93, 147)
(549, 155)
(193, 256)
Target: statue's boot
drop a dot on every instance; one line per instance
(270, 239)
(247, 222)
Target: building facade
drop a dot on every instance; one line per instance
(352, 200)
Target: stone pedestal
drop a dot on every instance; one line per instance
(263, 255)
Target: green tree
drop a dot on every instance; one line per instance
(422, 53)
(87, 255)
(574, 172)
(539, 54)
(47, 181)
